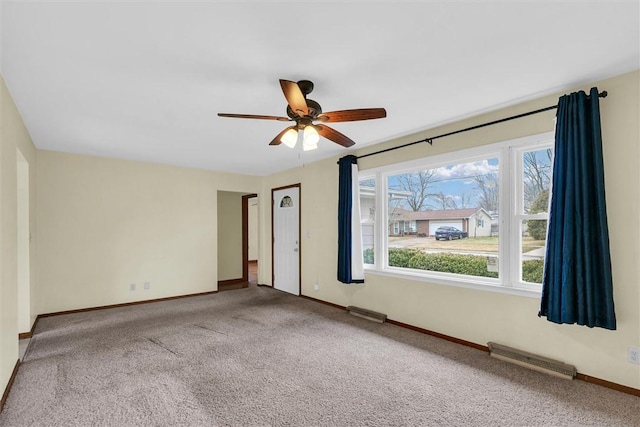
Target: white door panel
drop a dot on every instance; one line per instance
(286, 240)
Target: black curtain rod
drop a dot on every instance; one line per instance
(602, 94)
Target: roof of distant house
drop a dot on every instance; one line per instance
(405, 215)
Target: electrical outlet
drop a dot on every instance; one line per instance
(147, 286)
(132, 287)
(633, 355)
(316, 287)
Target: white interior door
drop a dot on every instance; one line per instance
(286, 240)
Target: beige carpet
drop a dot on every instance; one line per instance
(258, 357)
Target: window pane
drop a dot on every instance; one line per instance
(445, 219)
(536, 170)
(533, 249)
(368, 217)
(536, 180)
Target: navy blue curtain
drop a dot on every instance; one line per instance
(345, 233)
(577, 285)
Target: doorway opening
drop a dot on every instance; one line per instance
(237, 240)
(23, 250)
(250, 239)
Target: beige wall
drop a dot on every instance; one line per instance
(481, 316)
(229, 235)
(13, 138)
(107, 223)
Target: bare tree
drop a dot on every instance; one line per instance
(417, 184)
(487, 188)
(442, 200)
(369, 182)
(462, 202)
(448, 201)
(537, 175)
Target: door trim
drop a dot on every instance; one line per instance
(273, 276)
(245, 235)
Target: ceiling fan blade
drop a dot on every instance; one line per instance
(353, 115)
(254, 116)
(295, 97)
(334, 136)
(276, 140)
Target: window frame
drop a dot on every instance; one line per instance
(510, 179)
(369, 219)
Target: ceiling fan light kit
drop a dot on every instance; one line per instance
(290, 138)
(304, 112)
(310, 138)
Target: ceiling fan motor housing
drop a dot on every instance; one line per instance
(314, 110)
(306, 86)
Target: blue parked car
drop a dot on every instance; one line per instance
(448, 233)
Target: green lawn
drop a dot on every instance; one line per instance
(471, 244)
(529, 244)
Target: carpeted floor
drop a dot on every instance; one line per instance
(257, 357)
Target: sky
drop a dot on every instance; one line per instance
(458, 182)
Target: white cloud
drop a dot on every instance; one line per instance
(465, 170)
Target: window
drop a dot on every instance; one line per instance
(409, 227)
(286, 202)
(472, 218)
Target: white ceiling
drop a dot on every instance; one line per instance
(145, 80)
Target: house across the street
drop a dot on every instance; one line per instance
(475, 221)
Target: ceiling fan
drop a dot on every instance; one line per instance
(309, 118)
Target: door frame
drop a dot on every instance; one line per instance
(273, 275)
(245, 235)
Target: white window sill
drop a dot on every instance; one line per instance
(463, 282)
